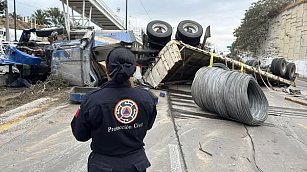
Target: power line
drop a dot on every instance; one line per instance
(145, 9)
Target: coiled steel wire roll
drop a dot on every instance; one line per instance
(230, 94)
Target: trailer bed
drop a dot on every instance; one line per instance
(179, 62)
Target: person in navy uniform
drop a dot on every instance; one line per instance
(116, 117)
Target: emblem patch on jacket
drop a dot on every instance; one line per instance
(126, 111)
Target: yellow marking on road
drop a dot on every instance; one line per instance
(8, 124)
(304, 126)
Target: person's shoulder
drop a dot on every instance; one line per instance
(142, 90)
(148, 94)
(90, 96)
(100, 89)
(93, 92)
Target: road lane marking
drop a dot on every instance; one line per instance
(187, 131)
(175, 158)
(304, 126)
(8, 124)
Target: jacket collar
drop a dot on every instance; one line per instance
(113, 84)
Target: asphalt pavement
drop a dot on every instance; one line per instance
(183, 138)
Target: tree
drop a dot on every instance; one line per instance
(56, 16)
(255, 24)
(18, 17)
(41, 17)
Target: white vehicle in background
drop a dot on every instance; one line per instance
(12, 34)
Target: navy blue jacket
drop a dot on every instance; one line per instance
(116, 118)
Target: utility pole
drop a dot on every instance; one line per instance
(15, 18)
(126, 14)
(7, 27)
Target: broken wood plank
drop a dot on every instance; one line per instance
(297, 100)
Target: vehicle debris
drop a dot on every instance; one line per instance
(77, 94)
(299, 100)
(79, 61)
(292, 91)
(14, 97)
(31, 56)
(201, 149)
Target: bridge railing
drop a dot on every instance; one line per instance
(110, 11)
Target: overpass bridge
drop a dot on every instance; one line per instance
(95, 11)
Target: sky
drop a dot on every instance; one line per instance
(222, 15)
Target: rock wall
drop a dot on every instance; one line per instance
(287, 37)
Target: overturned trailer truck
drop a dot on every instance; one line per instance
(177, 62)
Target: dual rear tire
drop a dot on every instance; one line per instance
(280, 67)
(189, 32)
(159, 33)
(290, 71)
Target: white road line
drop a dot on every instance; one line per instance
(175, 158)
(187, 131)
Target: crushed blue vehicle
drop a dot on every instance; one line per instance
(19, 57)
(31, 57)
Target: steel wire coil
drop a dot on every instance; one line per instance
(230, 94)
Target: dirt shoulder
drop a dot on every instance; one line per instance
(11, 98)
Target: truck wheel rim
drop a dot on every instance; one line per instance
(159, 28)
(190, 28)
(283, 67)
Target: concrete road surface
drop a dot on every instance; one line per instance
(37, 137)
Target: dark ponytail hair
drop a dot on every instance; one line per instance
(121, 64)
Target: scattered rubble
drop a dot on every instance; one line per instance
(14, 97)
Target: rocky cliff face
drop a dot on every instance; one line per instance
(287, 37)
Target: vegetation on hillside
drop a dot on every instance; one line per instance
(255, 24)
(44, 18)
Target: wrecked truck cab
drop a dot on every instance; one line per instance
(81, 62)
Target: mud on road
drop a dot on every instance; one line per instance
(11, 98)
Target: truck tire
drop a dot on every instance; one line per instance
(156, 45)
(250, 62)
(253, 63)
(177, 37)
(273, 66)
(290, 71)
(278, 67)
(189, 31)
(281, 67)
(159, 31)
